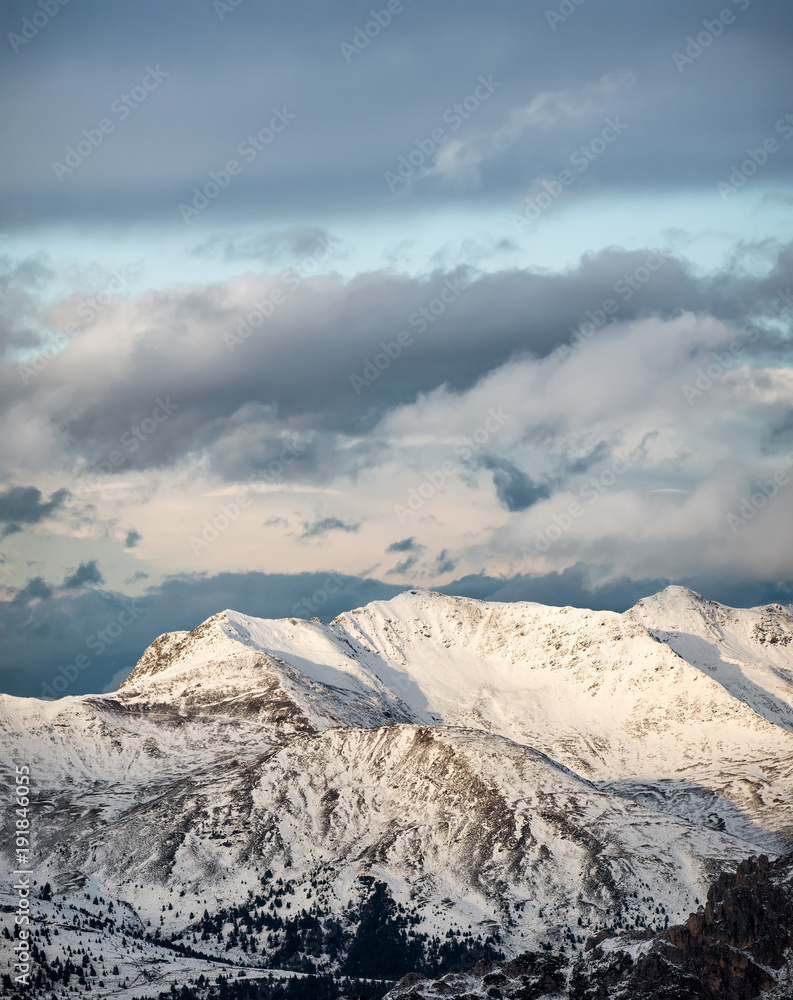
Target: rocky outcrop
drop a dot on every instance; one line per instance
(157, 657)
(739, 946)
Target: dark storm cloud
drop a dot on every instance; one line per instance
(576, 587)
(324, 334)
(84, 574)
(25, 505)
(355, 118)
(325, 525)
(445, 563)
(40, 633)
(35, 589)
(414, 550)
(405, 545)
(405, 566)
(315, 368)
(515, 490)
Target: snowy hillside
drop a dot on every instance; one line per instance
(503, 773)
(737, 947)
(746, 651)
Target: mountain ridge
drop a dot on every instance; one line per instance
(506, 773)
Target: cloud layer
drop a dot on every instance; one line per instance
(494, 303)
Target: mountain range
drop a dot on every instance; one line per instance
(419, 785)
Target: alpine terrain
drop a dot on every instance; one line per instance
(424, 785)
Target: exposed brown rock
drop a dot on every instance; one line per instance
(737, 947)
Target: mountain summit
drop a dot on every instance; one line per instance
(485, 778)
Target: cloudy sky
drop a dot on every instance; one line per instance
(307, 304)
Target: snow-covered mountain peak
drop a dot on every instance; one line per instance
(676, 683)
(222, 634)
(749, 651)
(289, 671)
(676, 602)
(513, 668)
(540, 771)
(348, 651)
(673, 596)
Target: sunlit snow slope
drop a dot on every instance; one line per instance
(511, 768)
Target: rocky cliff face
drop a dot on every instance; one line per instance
(738, 947)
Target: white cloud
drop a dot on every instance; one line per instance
(663, 514)
(692, 457)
